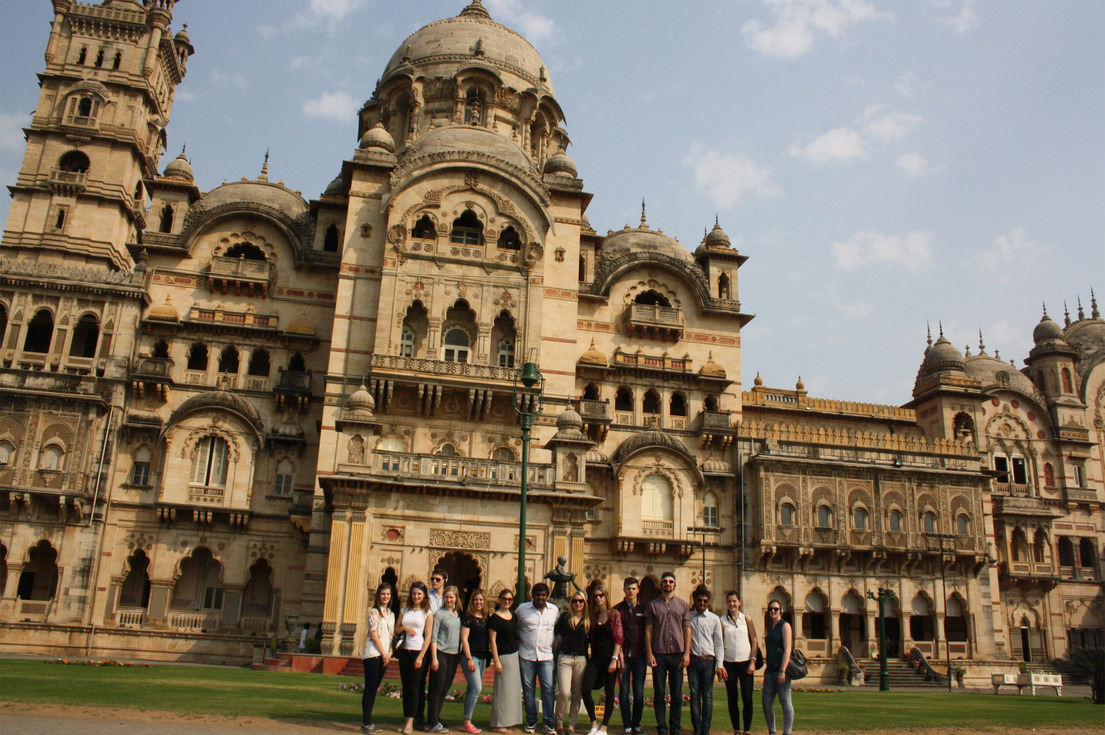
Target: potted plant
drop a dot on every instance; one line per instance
(842, 673)
(960, 672)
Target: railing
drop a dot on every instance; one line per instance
(666, 316)
(130, 616)
(658, 362)
(255, 383)
(464, 470)
(255, 624)
(623, 417)
(153, 367)
(1007, 488)
(68, 180)
(193, 620)
(241, 318)
(294, 380)
(241, 268)
(657, 528)
(36, 610)
(1081, 495)
(677, 423)
(442, 367)
(227, 380)
(195, 377)
(716, 420)
(207, 495)
(594, 410)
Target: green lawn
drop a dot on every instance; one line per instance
(241, 692)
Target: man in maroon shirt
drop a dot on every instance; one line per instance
(634, 656)
(668, 646)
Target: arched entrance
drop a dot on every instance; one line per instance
(648, 591)
(853, 633)
(463, 571)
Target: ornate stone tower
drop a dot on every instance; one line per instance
(97, 133)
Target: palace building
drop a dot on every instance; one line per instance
(225, 413)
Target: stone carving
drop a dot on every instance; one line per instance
(55, 271)
(356, 450)
(460, 539)
(571, 468)
(560, 578)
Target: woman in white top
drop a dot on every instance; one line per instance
(739, 637)
(416, 623)
(377, 652)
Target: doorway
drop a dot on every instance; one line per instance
(463, 571)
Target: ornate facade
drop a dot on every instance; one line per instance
(224, 413)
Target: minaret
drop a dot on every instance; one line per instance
(97, 133)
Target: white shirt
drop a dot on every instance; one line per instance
(384, 625)
(737, 645)
(303, 639)
(415, 619)
(706, 639)
(436, 598)
(535, 631)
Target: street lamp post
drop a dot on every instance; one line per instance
(527, 404)
(943, 543)
(882, 597)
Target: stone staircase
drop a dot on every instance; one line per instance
(899, 674)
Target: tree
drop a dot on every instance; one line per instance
(1085, 665)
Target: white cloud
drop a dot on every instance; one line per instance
(183, 94)
(11, 130)
(915, 165)
(912, 252)
(333, 9)
(538, 29)
(854, 310)
(725, 178)
(841, 144)
(1011, 250)
(338, 106)
(267, 32)
(908, 85)
(329, 13)
(222, 79)
(889, 126)
(799, 22)
(963, 21)
(305, 62)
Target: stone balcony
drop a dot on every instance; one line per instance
(67, 183)
(253, 277)
(293, 389)
(482, 384)
(653, 321)
(461, 470)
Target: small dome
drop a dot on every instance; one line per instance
(218, 399)
(179, 168)
(335, 188)
(182, 36)
(164, 311)
(758, 381)
(1046, 330)
(593, 356)
(711, 369)
(561, 164)
(378, 137)
(301, 325)
(594, 456)
(361, 400)
(288, 429)
(799, 385)
(942, 357)
(714, 466)
(569, 419)
(717, 239)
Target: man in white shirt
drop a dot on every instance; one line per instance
(536, 621)
(437, 589)
(707, 649)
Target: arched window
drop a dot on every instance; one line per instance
(245, 251)
(677, 406)
(472, 109)
(209, 466)
(99, 58)
(83, 56)
(815, 619)
(1018, 543)
(656, 498)
(505, 336)
(1066, 552)
(40, 332)
(297, 364)
(85, 337)
(456, 346)
(282, 480)
(74, 161)
(424, 229)
(1086, 553)
(228, 360)
(896, 521)
(652, 298)
(509, 239)
(39, 578)
(415, 326)
(651, 403)
(928, 522)
(467, 229)
(710, 516)
(3, 323)
(197, 357)
(582, 268)
(1049, 475)
(118, 60)
(786, 514)
(135, 591)
(503, 454)
(51, 458)
(1068, 384)
(921, 627)
(824, 516)
(859, 518)
(7, 453)
(506, 353)
(406, 342)
(955, 622)
(623, 399)
(591, 392)
(199, 586)
(166, 219)
(259, 363)
(963, 525)
(447, 450)
(1039, 546)
(257, 595)
(964, 427)
(723, 286)
(140, 469)
(1001, 467)
(161, 349)
(711, 403)
(330, 240)
(1020, 471)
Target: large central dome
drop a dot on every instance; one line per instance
(471, 35)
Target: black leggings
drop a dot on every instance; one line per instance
(591, 676)
(414, 684)
(737, 676)
(440, 681)
(373, 675)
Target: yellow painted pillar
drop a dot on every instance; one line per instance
(335, 582)
(575, 559)
(354, 584)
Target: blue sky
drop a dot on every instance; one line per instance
(883, 165)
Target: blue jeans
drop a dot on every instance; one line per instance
(533, 673)
(700, 676)
(633, 675)
(667, 678)
(771, 688)
(475, 685)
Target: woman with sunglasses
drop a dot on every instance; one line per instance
(780, 642)
(477, 649)
(417, 625)
(444, 656)
(574, 631)
(502, 629)
(606, 648)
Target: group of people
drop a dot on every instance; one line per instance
(568, 656)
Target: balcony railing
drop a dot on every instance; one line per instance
(68, 182)
(193, 620)
(442, 368)
(153, 369)
(713, 421)
(463, 470)
(655, 321)
(592, 410)
(241, 272)
(1007, 488)
(132, 617)
(206, 495)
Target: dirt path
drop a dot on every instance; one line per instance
(53, 719)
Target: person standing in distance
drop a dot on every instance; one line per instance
(668, 646)
(707, 647)
(536, 621)
(634, 659)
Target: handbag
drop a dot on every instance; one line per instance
(759, 659)
(798, 666)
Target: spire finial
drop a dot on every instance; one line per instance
(1093, 305)
(183, 149)
(928, 334)
(1081, 311)
(1066, 315)
(981, 345)
(1045, 310)
(966, 350)
(940, 323)
(265, 167)
(644, 222)
(716, 224)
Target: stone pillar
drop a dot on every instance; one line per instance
(354, 583)
(11, 588)
(335, 581)
(160, 593)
